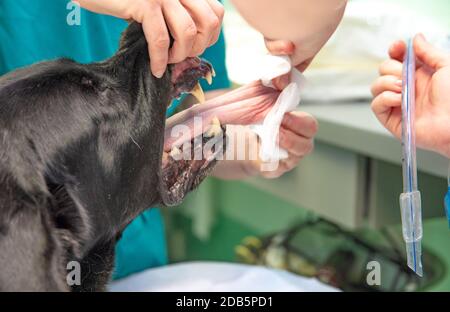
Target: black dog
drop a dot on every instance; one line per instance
(81, 155)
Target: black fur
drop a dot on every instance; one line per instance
(80, 156)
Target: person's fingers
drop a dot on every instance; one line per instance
(158, 40)
(386, 83)
(282, 81)
(273, 174)
(273, 170)
(386, 101)
(294, 143)
(304, 65)
(279, 47)
(387, 109)
(206, 23)
(430, 55)
(283, 166)
(219, 10)
(300, 123)
(391, 67)
(181, 27)
(290, 163)
(397, 50)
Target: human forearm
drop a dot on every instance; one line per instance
(117, 8)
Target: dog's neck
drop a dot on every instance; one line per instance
(148, 100)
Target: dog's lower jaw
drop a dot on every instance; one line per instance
(184, 168)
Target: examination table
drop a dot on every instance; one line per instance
(217, 277)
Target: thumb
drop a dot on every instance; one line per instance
(281, 82)
(279, 47)
(430, 55)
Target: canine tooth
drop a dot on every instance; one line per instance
(213, 72)
(215, 128)
(215, 121)
(175, 152)
(197, 92)
(209, 77)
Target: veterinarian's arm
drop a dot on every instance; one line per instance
(432, 123)
(296, 136)
(193, 24)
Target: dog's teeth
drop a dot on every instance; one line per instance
(175, 153)
(215, 122)
(197, 92)
(215, 128)
(209, 77)
(213, 72)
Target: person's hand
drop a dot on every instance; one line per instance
(280, 47)
(303, 24)
(285, 47)
(432, 117)
(193, 24)
(297, 128)
(296, 137)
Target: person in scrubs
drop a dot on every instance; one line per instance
(32, 31)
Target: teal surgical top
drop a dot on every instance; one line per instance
(35, 30)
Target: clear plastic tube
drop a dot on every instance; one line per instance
(410, 201)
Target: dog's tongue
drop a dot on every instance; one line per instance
(246, 105)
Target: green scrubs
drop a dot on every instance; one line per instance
(37, 30)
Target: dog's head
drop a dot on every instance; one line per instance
(183, 166)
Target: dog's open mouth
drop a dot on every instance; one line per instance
(195, 139)
(185, 76)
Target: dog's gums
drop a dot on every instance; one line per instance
(185, 76)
